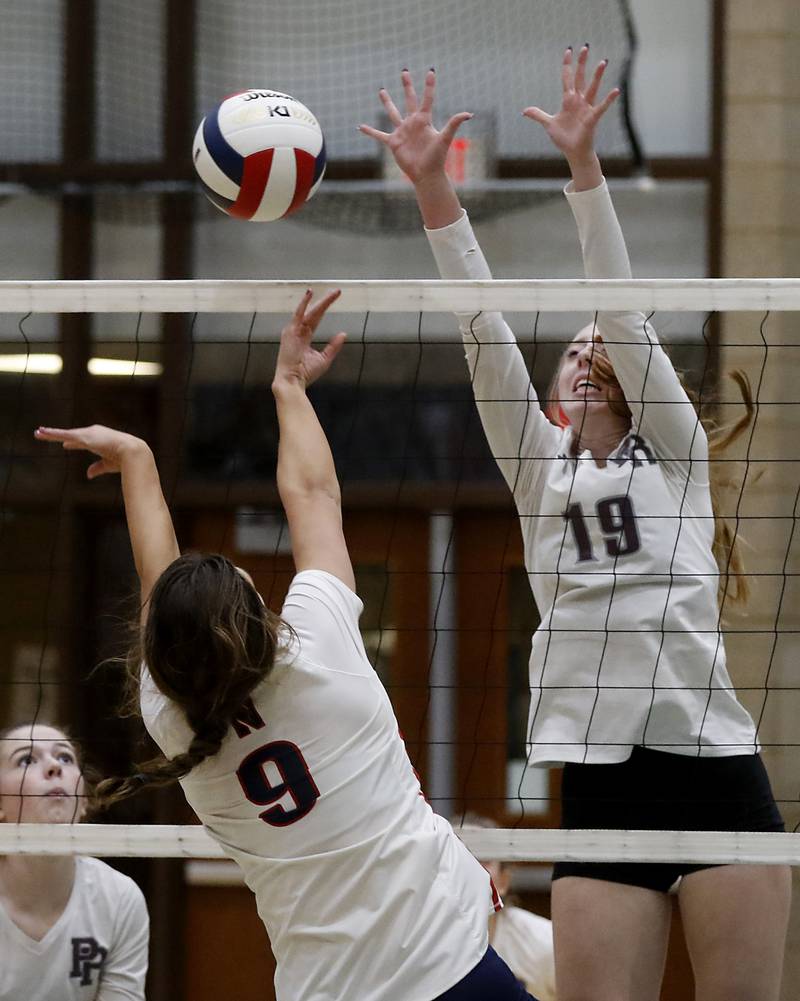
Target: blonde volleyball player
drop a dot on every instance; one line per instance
(71, 928)
(628, 681)
(284, 739)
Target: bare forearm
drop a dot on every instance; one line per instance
(438, 201)
(149, 522)
(305, 462)
(586, 172)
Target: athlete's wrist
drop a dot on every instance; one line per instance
(132, 449)
(286, 384)
(586, 171)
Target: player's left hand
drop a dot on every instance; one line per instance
(572, 129)
(111, 446)
(298, 360)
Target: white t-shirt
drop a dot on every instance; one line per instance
(525, 941)
(366, 894)
(629, 650)
(96, 951)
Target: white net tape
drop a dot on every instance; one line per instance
(562, 295)
(165, 841)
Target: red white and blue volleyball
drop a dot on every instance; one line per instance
(260, 155)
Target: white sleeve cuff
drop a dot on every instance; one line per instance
(457, 252)
(580, 200)
(444, 230)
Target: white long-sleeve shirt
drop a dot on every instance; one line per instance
(619, 558)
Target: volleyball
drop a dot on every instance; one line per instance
(259, 154)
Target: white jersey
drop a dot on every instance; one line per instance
(96, 950)
(366, 894)
(629, 650)
(525, 941)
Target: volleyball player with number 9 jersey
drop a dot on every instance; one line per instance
(285, 742)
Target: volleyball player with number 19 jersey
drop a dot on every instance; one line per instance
(619, 554)
(628, 681)
(628, 666)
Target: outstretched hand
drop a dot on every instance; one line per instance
(572, 129)
(149, 523)
(108, 444)
(418, 148)
(298, 361)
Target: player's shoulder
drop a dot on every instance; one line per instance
(312, 589)
(163, 719)
(102, 880)
(324, 582)
(322, 613)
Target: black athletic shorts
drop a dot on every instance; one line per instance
(660, 791)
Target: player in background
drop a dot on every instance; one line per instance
(71, 928)
(284, 739)
(629, 689)
(522, 939)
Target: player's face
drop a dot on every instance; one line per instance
(40, 778)
(582, 393)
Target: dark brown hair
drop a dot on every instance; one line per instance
(733, 585)
(208, 641)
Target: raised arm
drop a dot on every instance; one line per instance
(420, 150)
(307, 482)
(572, 129)
(513, 422)
(659, 405)
(149, 523)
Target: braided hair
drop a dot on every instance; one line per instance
(208, 642)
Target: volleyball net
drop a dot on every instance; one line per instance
(433, 535)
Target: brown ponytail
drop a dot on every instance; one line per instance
(208, 642)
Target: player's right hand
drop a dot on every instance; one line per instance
(417, 147)
(110, 445)
(298, 360)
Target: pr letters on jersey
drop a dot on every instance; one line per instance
(88, 957)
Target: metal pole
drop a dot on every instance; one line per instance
(442, 676)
